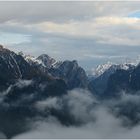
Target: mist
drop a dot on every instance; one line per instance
(91, 118)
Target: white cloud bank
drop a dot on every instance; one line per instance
(97, 121)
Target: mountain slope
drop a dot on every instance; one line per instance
(99, 84)
(71, 73)
(14, 67)
(127, 81)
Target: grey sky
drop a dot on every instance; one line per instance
(91, 32)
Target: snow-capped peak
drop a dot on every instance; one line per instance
(100, 69)
(44, 60)
(30, 59)
(47, 61)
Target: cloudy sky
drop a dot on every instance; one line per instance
(90, 32)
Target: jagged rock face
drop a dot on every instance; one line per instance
(43, 62)
(110, 68)
(14, 67)
(73, 75)
(69, 71)
(99, 84)
(123, 80)
(46, 60)
(117, 82)
(134, 78)
(10, 66)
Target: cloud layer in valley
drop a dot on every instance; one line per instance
(96, 119)
(78, 114)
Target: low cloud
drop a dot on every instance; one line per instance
(23, 83)
(2, 136)
(96, 119)
(19, 84)
(48, 103)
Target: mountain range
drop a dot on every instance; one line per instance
(25, 79)
(41, 69)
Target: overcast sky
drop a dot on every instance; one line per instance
(90, 32)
